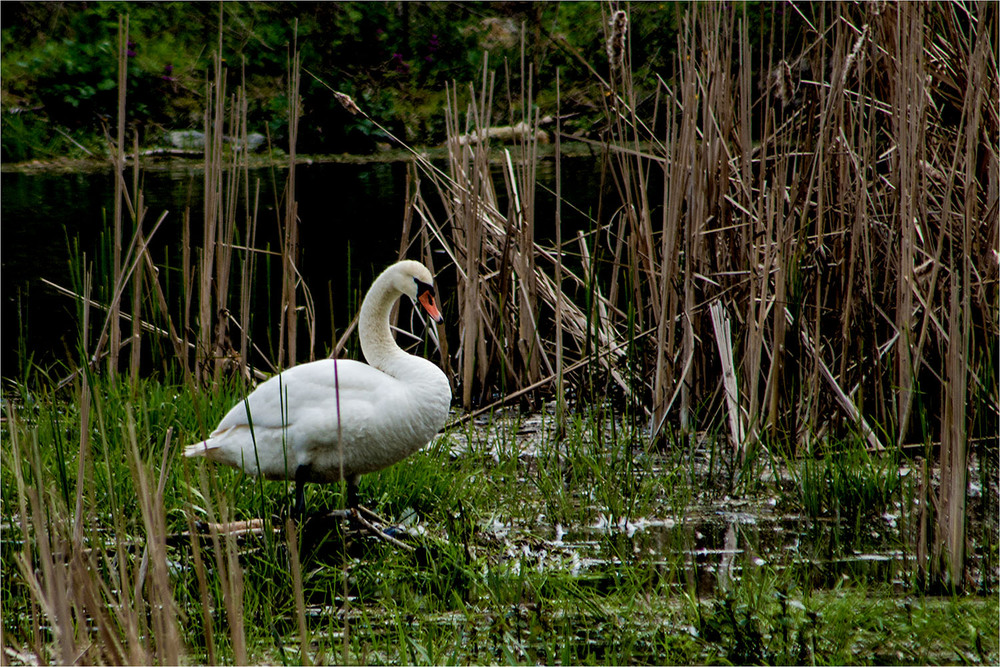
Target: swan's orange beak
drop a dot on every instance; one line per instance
(426, 299)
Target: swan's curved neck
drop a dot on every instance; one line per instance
(377, 343)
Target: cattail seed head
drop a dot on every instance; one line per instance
(616, 40)
(346, 102)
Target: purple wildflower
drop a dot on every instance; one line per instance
(167, 76)
(401, 66)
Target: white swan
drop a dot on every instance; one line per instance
(287, 428)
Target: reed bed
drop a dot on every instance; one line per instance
(823, 260)
(796, 252)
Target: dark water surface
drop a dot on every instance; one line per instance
(350, 225)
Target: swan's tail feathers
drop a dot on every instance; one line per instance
(199, 449)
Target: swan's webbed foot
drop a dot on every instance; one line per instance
(355, 512)
(358, 514)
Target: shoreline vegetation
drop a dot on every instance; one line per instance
(152, 161)
(748, 414)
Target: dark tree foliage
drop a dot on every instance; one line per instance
(60, 66)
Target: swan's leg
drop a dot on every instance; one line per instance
(352, 492)
(301, 474)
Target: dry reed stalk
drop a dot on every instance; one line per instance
(187, 290)
(203, 594)
(689, 158)
(292, 539)
(950, 531)
(524, 197)
(229, 572)
(427, 256)
(755, 257)
(23, 518)
(558, 282)
(909, 114)
(246, 274)
(138, 214)
(466, 165)
(723, 340)
(132, 259)
(50, 583)
(249, 232)
(85, 404)
(405, 239)
(228, 192)
(603, 336)
(949, 544)
(290, 259)
(118, 160)
(158, 600)
(675, 145)
(205, 366)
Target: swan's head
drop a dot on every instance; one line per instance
(415, 281)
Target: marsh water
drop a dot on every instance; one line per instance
(350, 217)
(729, 519)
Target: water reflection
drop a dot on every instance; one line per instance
(350, 224)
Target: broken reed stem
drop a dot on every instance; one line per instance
(723, 340)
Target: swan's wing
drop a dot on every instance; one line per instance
(299, 395)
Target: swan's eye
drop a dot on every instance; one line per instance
(423, 288)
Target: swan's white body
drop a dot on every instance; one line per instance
(296, 424)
